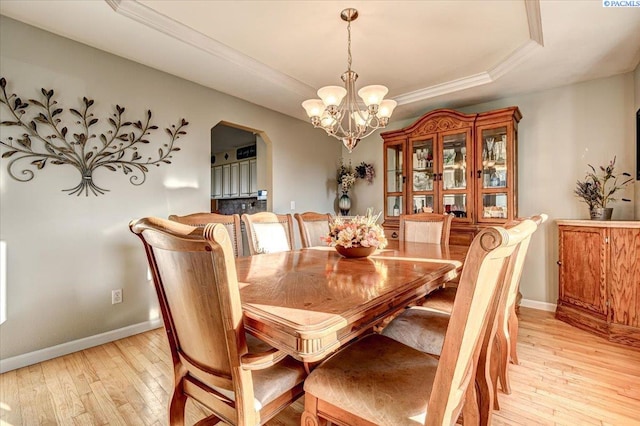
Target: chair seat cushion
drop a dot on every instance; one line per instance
(441, 300)
(271, 382)
(378, 379)
(421, 328)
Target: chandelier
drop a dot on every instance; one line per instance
(340, 113)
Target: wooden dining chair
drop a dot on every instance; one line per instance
(312, 227)
(425, 227)
(442, 300)
(268, 232)
(380, 381)
(241, 379)
(425, 328)
(230, 221)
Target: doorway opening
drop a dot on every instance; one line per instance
(240, 169)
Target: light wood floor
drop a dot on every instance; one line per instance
(566, 377)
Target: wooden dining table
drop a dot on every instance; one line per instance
(311, 301)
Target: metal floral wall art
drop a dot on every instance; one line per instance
(47, 140)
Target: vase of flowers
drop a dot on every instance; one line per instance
(346, 177)
(598, 190)
(358, 237)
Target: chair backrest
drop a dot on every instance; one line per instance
(480, 284)
(195, 279)
(268, 232)
(515, 272)
(312, 227)
(426, 227)
(230, 221)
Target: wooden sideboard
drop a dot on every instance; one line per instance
(600, 278)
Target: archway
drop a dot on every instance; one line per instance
(241, 159)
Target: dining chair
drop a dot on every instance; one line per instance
(313, 226)
(426, 227)
(241, 379)
(268, 232)
(379, 381)
(230, 221)
(442, 300)
(425, 328)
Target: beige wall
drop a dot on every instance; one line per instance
(562, 130)
(66, 253)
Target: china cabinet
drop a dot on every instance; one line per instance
(461, 164)
(599, 278)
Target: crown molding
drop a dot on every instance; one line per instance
(444, 88)
(534, 18)
(516, 57)
(149, 17)
(145, 15)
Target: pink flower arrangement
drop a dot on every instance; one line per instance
(360, 231)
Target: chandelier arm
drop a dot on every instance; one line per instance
(351, 119)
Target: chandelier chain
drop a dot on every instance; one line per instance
(349, 46)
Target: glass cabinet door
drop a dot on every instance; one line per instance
(494, 158)
(394, 159)
(454, 162)
(495, 163)
(422, 176)
(455, 168)
(394, 168)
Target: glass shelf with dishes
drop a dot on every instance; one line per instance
(494, 158)
(495, 205)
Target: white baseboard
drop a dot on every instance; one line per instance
(534, 304)
(45, 354)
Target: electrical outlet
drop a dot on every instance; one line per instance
(293, 205)
(116, 296)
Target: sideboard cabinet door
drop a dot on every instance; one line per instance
(599, 286)
(582, 268)
(624, 285)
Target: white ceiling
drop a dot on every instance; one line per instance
(277, 53)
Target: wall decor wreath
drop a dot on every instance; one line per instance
(47, 140)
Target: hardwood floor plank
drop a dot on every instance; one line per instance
(10, 408)
(62, 390)
(106, 405)
(566, 376)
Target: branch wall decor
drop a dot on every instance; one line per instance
(47, 140)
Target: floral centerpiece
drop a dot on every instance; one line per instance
(599, 190)
(357, 237)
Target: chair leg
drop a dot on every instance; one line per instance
(501, 372)
(513, 335)
(177, 403)
(484, 383)
(470, 408)
(494, 371)
(310, 413)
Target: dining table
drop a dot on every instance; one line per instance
(311, 301)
